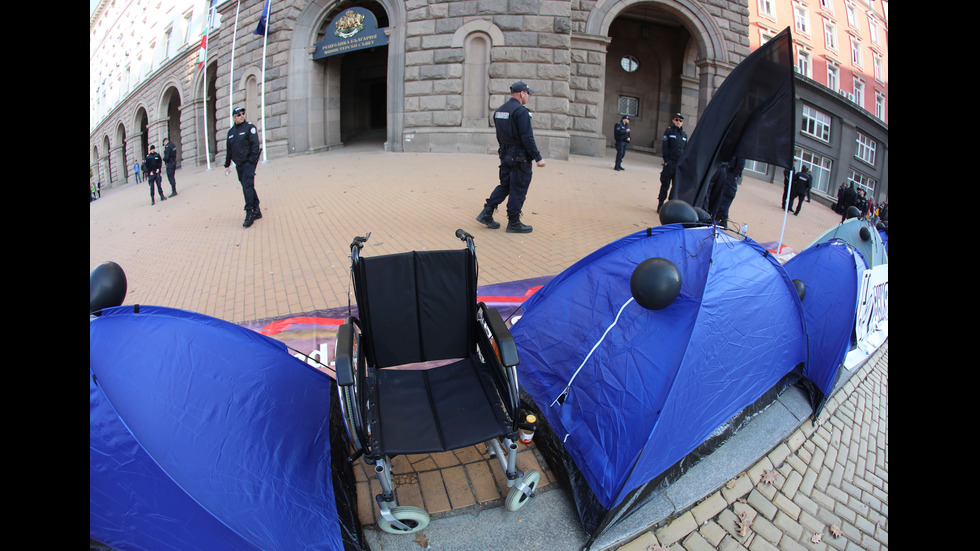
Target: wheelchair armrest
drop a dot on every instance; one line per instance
(344, 362)
(501, 335)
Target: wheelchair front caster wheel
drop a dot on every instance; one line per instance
(416, 519)
(516, 498)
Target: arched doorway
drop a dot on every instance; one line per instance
(143, 123)
(171, 101)
(355, 95)
(126, 170)
(648, 75)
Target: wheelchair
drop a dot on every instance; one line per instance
(425, 368)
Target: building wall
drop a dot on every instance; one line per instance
(445, 62)
(849, 116)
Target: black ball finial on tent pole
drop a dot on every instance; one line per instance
(800, 288)
(655, 283)
(107, 286)
(853, 212)
(677, 211)
(865, 233)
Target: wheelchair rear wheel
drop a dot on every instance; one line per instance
(517, 498)
(416, 519)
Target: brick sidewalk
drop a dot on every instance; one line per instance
(826, 487)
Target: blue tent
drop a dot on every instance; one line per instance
(206, 435)
(831, 271)
(629, 392)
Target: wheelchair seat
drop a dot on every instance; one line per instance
(425, 368)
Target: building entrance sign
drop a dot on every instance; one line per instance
(353, 29)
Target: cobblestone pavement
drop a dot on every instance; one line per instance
(826, 487)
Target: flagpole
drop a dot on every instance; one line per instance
(204, 93)
(265, 40)
(231, 71)
(789, 189)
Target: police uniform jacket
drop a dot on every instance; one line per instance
(153, 162)
(513, 123)
(170, 153)
(802, 182)
(620, 133)
(243, 144)
(674, 141)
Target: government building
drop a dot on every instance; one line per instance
(425, 76)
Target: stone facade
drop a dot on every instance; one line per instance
(447, 65)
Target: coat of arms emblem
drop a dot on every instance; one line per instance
(349, 24)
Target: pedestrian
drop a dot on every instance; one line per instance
(146, 174)
(840, 199)
(170, 157)
(847, 200)
(243, 148)
(723, 197)
(136, 170)
(861, 203)
(673, 145)
(801, 185)
(621, 133)
(153, 165)
(517, 148)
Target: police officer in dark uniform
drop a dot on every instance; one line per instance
(243, 148)
(517, 147)
(170, 157)
(153, 164)
(674, 141)
(801, 185)
(621, 133)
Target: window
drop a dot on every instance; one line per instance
(766, 8)
(629, 63)
(816, 124)
(801, 16)
(830, 35)
(628, 106)
(865, 149)
(827, 5)
(873, 31)
(833, 76)
(851, 15)
(859, 91)
(879, 67)
(803, 63)
(879, 104)
(819, 168)
(856, 57)
(862, 181)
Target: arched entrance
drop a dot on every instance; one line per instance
(171, 102)
(351, 96)
(126, 170)
(648, 75)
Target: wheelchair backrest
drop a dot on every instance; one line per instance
(417, 306)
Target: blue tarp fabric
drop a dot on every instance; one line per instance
(205, 435)
(831, 271)
(657, 383)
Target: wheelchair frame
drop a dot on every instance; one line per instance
(356, 381)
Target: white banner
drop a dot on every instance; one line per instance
(872, 301)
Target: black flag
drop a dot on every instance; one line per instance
(752, 115)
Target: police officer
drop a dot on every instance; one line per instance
(517, 147)
(621, 133)
(170, 157)
(801, 186)
(674, 141)
(153, 164)
(243, 148)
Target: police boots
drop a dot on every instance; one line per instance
(514, 225)
(251, 216)
(486, 217)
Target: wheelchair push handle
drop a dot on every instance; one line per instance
(465, 237)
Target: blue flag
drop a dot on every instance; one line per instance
(262, 27)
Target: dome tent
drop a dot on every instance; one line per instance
(629, 392)
(206, 435)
